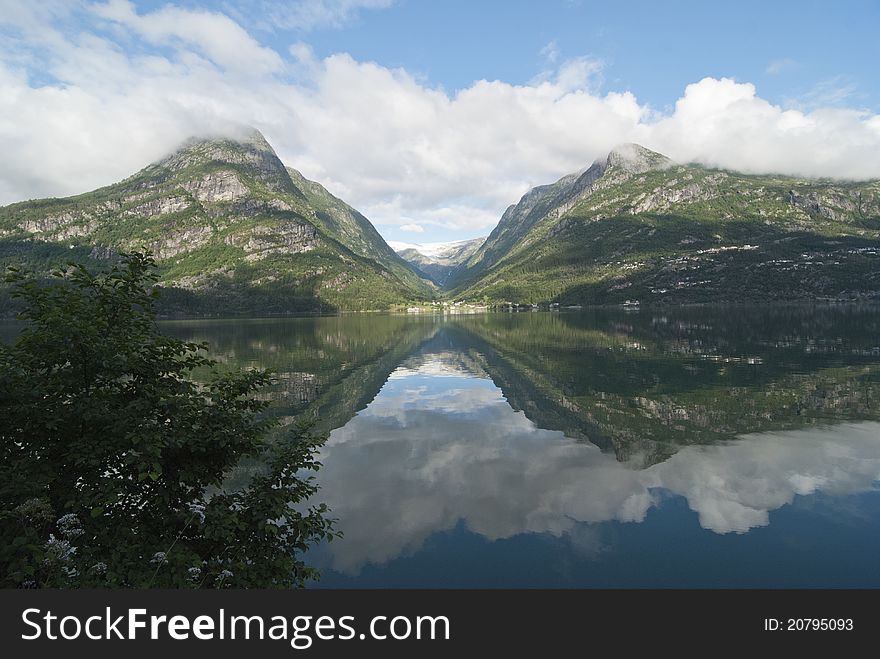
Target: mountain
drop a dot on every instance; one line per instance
(637, 226)
(440, 264)
(233, 231)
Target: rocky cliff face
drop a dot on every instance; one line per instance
(225, 220)
(251, 153)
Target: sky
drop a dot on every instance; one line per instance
(431, 117)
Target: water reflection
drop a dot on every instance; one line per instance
(567, 426)
(440, 445)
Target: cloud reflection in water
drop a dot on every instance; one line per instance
(432, 451)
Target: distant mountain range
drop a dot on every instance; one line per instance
(440, 263)
(235, 231)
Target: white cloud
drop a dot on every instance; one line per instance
(831, 92)
(574, 74)
(580, 73)
(725, 123)
(214, 35)
(412, 228)
(87, 105)
(456, 215)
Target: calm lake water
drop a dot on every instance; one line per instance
(679, 448)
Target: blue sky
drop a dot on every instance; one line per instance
(432, 117)
(793, 51)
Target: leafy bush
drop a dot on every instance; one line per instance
(112, 458)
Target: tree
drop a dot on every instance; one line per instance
(113, 458)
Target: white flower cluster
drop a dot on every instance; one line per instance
(69, 526)
(198, 510)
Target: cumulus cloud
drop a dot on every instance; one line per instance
(90, 94)
(214, 35)
(733, 487)
(725, 123)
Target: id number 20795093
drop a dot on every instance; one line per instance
(808, 624)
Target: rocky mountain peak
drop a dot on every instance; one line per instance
(246, 149)
(635, 158)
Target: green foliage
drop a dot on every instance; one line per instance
(114, 458)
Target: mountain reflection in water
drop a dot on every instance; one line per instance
(458, 443)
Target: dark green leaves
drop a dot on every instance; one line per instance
(100, 419)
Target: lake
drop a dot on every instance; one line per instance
(693, 447)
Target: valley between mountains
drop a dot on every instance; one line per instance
(235, 231)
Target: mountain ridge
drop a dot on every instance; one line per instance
(625, 160)
(630, 224)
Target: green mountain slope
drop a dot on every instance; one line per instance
(232, 229)
(346, 225)
(441, 266)
(637, 226)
